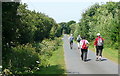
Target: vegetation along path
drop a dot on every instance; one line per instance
(75, 65)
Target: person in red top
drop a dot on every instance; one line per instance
(84, 48)
(98, 44)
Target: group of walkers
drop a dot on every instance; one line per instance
(83, 45)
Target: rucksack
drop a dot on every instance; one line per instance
(84, 46)
(78, 39)
(100, 42)
(71, 39)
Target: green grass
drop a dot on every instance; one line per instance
(57, 63)
(109, 53)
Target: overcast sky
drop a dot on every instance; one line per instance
(62, 10)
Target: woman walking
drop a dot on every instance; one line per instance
(84, 48)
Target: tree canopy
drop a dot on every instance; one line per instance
(102, 19)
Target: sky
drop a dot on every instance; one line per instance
(62, 10)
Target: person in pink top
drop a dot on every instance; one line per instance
(98, 44)
(84, 48)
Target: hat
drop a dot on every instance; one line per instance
(98, 34)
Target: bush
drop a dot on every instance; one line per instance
(116, 45)
(47, 47)
(23, 58)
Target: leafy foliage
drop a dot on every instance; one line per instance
(66, 26)
(23, 58)
(29, 36)
(24, 32)
(102, 19)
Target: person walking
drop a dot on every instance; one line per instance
(78, 41)
(84, 48)
(71, 38)
(98, 45)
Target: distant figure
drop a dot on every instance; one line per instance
(84, 48)
(98, 44)
(71, 38)
(78, 41)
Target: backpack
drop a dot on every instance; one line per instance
(100, 42)
(71, 39)
(78, 39)
(84, 46)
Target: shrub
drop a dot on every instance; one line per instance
(23, 58)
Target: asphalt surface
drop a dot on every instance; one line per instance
(75, 65)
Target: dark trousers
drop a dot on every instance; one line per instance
(71, 44)
(99, 50)
(84, 54)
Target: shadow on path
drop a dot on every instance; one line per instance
(103, 59)
(88, 60)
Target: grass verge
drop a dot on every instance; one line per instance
(57, 63)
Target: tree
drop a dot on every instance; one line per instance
(103, 19)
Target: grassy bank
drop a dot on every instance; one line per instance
(57, 64)
(109, 53)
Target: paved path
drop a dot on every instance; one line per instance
(75, 65)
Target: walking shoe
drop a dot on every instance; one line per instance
(85, 60)
(100, 58)
(97, 59)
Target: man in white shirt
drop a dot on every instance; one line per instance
(71, 40)
(78, 41)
